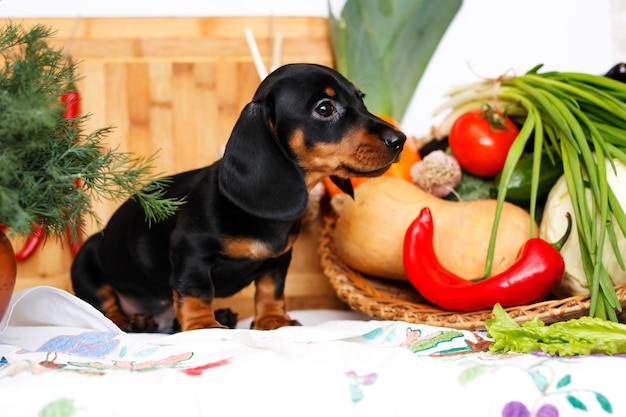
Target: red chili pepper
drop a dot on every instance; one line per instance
(75, 242)
(71, 101)
(536, 271)
(33, 241)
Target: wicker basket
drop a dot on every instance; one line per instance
(397, 300)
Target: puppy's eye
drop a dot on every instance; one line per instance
(325, 109)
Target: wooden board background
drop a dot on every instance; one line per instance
(177, 86)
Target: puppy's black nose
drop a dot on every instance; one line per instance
(394, 140)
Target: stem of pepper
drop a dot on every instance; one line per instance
(559, 244)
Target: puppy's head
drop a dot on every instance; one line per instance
(319, 117)
(304, 123)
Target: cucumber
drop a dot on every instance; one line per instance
(518, 189)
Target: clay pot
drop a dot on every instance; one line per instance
(8, 272)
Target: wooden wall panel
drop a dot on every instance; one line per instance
(177, 86)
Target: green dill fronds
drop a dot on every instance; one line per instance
(50, 169)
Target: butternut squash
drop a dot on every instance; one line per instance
(370, 230)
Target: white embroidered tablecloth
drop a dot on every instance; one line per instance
(60, 357)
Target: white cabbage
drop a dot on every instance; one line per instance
(554, 224)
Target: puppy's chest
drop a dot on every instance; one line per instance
(257, 248)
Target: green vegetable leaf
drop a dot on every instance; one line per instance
(581, 336)
(385, 45)
(471, 188)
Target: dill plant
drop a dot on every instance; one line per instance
(44, 156)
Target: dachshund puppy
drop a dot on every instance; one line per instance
(242, 213)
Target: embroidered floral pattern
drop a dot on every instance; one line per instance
(543, 377)
(63, 407)
(358, 381)
(385, 363)
(92, 344)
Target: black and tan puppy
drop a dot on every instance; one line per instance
(242, 214)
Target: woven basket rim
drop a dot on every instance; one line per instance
(388, 299)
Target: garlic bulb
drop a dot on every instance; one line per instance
(438, 173)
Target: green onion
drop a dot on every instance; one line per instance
(582, 118)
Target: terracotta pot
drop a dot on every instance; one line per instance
(8, 272)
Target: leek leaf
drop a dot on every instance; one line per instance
(384, 46)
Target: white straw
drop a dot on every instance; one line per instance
(256, 56)
(276, 51)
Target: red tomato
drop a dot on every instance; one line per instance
(480, 148)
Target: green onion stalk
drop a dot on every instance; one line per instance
(579, 119)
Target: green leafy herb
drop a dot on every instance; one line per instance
(385, 46)
(581, 336)
(581, 118)
(43, 156)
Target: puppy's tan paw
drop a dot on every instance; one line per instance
(136, 323)
(273, 322)
(199, 324)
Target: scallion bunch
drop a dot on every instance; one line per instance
(581, 119)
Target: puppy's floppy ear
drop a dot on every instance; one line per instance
(256, 173)
(344, 185)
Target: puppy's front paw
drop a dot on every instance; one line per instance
(273, 322)
(197, 325)
(227, 317)
(140, 323)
